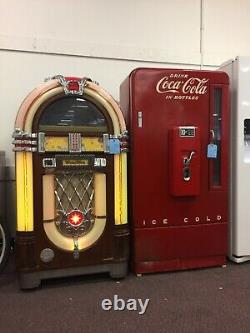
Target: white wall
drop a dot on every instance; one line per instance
(105, 40)
(133, 29)
(226, 30)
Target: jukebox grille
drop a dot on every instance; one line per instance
(74, 191)
(74, 194)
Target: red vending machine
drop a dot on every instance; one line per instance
(178, 123)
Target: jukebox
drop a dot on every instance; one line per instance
(178, 122)
(70, 143)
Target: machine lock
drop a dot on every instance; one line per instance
(186, 166)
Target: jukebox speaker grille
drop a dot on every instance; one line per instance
(74, 191)
(74, 194)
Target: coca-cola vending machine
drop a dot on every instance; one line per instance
(178, 123)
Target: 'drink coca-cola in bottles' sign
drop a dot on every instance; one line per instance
(182, 86)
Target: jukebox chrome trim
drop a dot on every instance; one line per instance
(67, 83)
(24, 141)
(41, 141)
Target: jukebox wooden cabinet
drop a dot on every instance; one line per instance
(70, 141)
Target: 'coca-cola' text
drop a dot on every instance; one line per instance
(192, 85)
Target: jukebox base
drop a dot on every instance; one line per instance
(101, 258)
(179, 248)
(32, 280)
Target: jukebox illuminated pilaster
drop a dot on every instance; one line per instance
(70, 141)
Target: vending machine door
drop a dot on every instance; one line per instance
(71, 183)
(178, 121)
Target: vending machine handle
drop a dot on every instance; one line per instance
(212, 131)
(187, 160)
(186, 168)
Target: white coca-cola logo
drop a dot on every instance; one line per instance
(192, 85)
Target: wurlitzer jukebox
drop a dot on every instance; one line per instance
(70, 142)
(178, 121)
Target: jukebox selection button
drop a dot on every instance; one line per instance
(100, 162)
(75, 142)
(49, 162)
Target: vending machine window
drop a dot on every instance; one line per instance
(70, 145)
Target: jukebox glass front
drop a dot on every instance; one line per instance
(74, 172)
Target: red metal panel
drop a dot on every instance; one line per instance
(157, 102)
(175, 248)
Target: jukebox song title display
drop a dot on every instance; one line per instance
(70, 141)
(178, 122)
